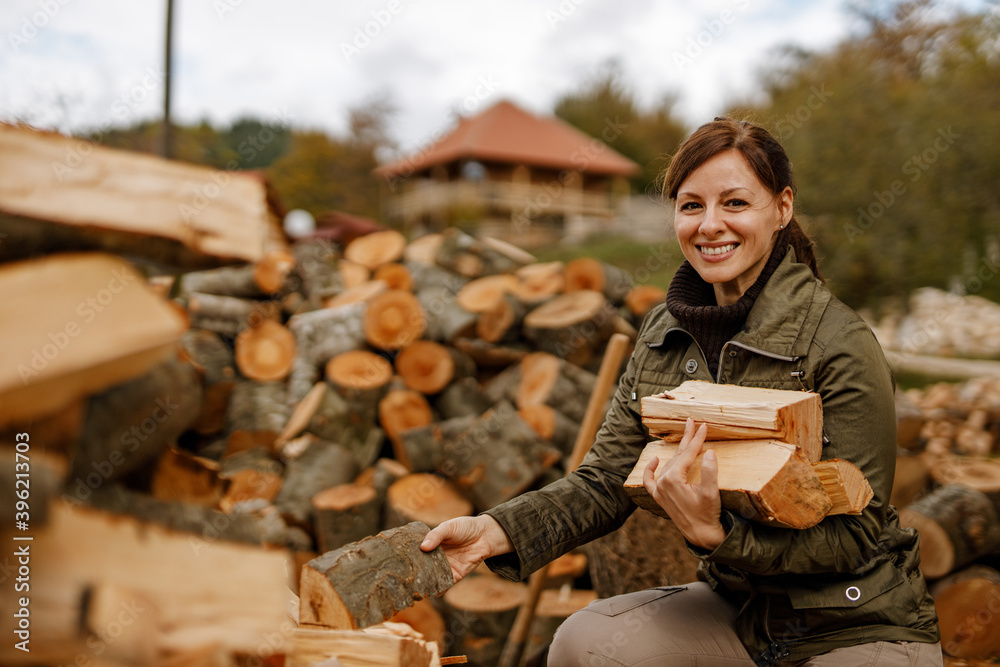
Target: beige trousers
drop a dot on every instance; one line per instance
(691, 626)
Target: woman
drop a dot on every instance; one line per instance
(747, 307)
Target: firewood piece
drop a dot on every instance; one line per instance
(265, 352)
(199, 591)
(481, 610)
(429, 367)
(348, 422)
(551, 425)
(215, 359)
(376, 249)
(381, 476)
(321, 335)
(546, 379)
(256, 458)
(966, 604)
(82, 337)
(228, 315)
(911, 480)
(462, 398)
(130, 425)
(400, 410)
(367, 582)
(763, 480)
(909, 422)
(316, 270)
(301, 380)
(182, 477)
(424, 497)
(257, 414)
(322, 465)
(313, 646)
(540, 282)
(503, 321)
(482, 294)
(362, 293)
(425, 619)
(358, 371)
(572, 326)
(488, 355)
(447, 322)
(734, 412)
(393, 320)
(423, 249)
(272, 271)
(497, 457)
(846, 485)
(352, 274)
(504, 385)
(957, 525)
(249, 280)
(587, 273)
(249, 484)
(425, 445)
(344, 514)
(642, 298)
(475, 258)
(396, 276)
(432, 276)
(301, 415)
(977, 473)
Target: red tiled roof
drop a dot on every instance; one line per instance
(507, 133)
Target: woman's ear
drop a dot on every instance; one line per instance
(786, 206)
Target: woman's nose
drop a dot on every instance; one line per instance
(712, 221)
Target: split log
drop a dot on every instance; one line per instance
(763, 480)
(182, 477)
(967, 603)
(488, 355)
(305, 373)
(316, 270)
(587, 273)
(94, 324)
(381, 476)
(423, 249)
(425, 619)
(482, 294)
(447, 321)
(129, 426)
(247, 485)
(503, 321)
(551, 425)
(256, 415)
(215, 359)
(344, 514)
(228, 315)
(393, 320)
(734, 412)
(319, 647)
(573, 326)
(424, 497)
(540, 282)
(265, 352)
(481, 610)
(396, 276)
(846, 485)
(475, 258)
(362, 293)
(321, 335)
(498, 457)
(376, 249)
(911, 480)
(981, 474)
(250, 280)
(367, 582)
(322, 465)
(429, 367)
(643, 298)
(352, 274)
(400, 410)
(957, 525)
(192, 591)
(301, 415)
(547, 380)
(462, 398)
(425, 446)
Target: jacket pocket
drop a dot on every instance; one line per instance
(619, 604)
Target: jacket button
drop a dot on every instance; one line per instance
(733, 353)
(853, 593)
(691, 366)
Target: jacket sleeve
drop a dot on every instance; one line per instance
(582, 506)
(856, 387)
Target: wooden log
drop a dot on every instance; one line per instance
(94, 324)
(198, 591)
(344, 514)
(301, 415)
(395, 275)
(587, 273)
(763, 480)
(361, 378)
(967, 604)
(257, 280)
(547, 380)
(480, 611)
(376, 249)
(498, 457)
(483, 294)
(432, 276)
(424, 497)
(552, 425)
(128, 426)
(265, 352)
(381, 476)
(447, 322)
(423, 249)
(462, 398)
(353, 274)
(322, 465)
(642, 298)
(488, 355)
(734, 412)
(400, 410)
(425, 445)
(321, 335)
(255, 458)
(540, 282)
(909, 422)
(474, 258)
(504, 385)
(247, 485)
(572, 326)
(367, 582)
(981, 474)
(502, 322)
(182, 477)
(316, 270)
(957, 525)
(393, 320)
(228, 315)
(321, 647)
(256, 415)
(215, 360)
(429, 367)
(424, 618)
(361, 293)
(911, 481)
(846, 485)
(304, 376)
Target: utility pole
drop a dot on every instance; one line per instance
(166, 135)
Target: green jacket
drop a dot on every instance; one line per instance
(846, 581)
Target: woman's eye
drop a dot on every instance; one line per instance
(736, 203)
(689, 206)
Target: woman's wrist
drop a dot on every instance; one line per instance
(496, 537)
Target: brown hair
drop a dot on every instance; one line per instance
(765, 157)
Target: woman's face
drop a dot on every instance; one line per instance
(726, 220)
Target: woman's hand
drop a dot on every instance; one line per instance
(467, 541)
(694, 508)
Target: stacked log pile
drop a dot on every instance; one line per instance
(940, 323)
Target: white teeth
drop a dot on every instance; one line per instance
(717, 250)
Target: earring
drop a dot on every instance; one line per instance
(782, 227)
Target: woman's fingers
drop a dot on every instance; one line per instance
(710, 473)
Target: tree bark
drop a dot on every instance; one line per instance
(321, 335)
(547, 380)
(462, 398)
(400, 410)
(322, 465)
(447, 321)
(502, 322)
(425, 445)
(228, 315)
(573, 326)
(344, 514)
(215, 359)
(257, 414)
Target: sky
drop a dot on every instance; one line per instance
(90, 64)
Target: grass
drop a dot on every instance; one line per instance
(648, 263)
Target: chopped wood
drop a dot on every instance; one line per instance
(587, 273)
(424, 619)
(911, 480)
(423, 249)
(736, 412)
(344, 514)
(763, 480)
(425, 445)
(322, 465)
(846, 485)
(182, 477)
(978, 473)
(462, 398)
(94, 324)
(432, 276)
(540, 282)
(316, 270)
(400, 410)
(503, 321)
(396, 276)
(301, 415)
(572, 326)
(381, 476)
(322, 647)
(487, 355)
(447, 322)
(257, 413)
(352, 274)
(265, 352)
(225, 281)
(362, 293)
(376, 249)
(957, 525)
(642, 298)
(393, 320)
(545, 379)
(966, 604)
(481, 610)
(321, 335)
(359, 370)
(424, 497)
(483, 294)
(347, 416)
(215, 360)
(249, 484)
(551, 425)
(475, 258)
(272, 271)
(429, 367)
(367, 582)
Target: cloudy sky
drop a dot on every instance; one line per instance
(74, 64)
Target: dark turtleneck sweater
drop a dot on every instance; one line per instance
(692, 301)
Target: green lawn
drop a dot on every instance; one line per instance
(649, 263)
